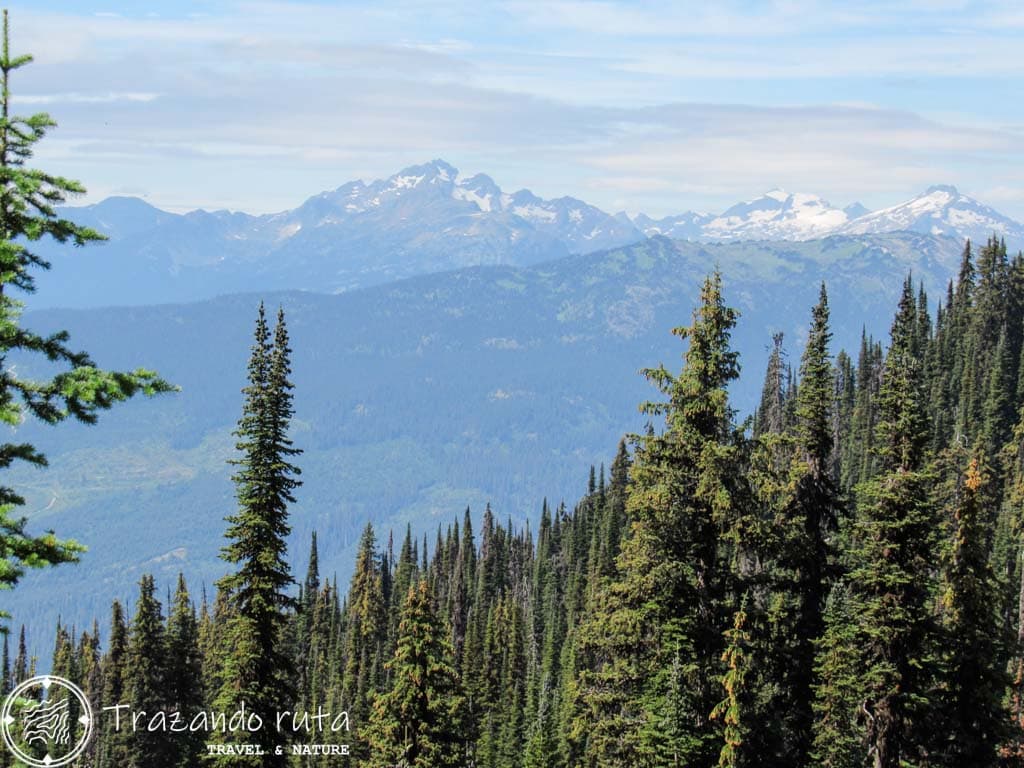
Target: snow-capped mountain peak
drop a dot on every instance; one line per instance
(435, 198)
(779, 215)
(776, 215)
(479, 190)
(940, 210)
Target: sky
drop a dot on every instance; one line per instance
(635, 106)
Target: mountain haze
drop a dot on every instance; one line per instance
(425, 219)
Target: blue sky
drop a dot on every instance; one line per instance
(655, 107)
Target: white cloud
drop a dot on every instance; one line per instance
(271, 102)
(82, 98)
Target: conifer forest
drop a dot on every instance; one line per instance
(835, 580)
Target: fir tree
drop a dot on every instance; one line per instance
(771, 413)
(838, 734)
(21, 661)
(145, 678)
(812, 518)
(184, 689)
(364, 632)
(734, 709)
(672, 597)
(256, 670)
(894, 557)
(29, 200)
(974, 676)
(91, 676)
(113, 741)
(420, 722)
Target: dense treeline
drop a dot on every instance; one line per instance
(835, 582)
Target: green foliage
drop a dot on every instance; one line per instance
(255, 668)
(114, 749)
(733, 710)
(839, 728)
(672, 597)
(893, 557)
(28, 213)
(184, 686)
(420, 722)
(146, 677)
(974, 678)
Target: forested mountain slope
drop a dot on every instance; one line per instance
(418, 398)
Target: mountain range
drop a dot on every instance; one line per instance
(427, 219)
(779, 215)
(454, 345)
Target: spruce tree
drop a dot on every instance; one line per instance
(22, 664)
(975, 678)
(420, 722)
(302, 640)
(113, 741)
(811, 520)
(771, 413)
(838, 733)
(673, 596)
(734, 709)
(184, 674)
(256, 670)
(145, 677)
(29, 200)
(364, 632)
(894, 558)
(91, 676)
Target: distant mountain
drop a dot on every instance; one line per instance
(855, 211)
(426, 219)
(779, 215)
(940, 210)
(423, 219)
(776, 215)
(417, 398)
(684, 226)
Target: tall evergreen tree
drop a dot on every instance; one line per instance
(974, 675)
(145, 678)
(894, 558)
(672, 599)
(771, 413)
(184, 674)
(29, 200)
(365, 630)
(812, 518)
(420, 722)
(256, 669)
(22, 664)
(113, 741)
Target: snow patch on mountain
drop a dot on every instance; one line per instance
(775, 215)
(778, 215)
(940, 210)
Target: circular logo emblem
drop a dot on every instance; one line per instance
(46, 722)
